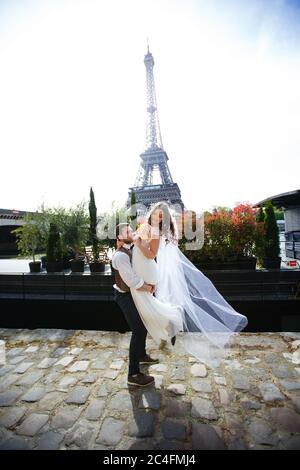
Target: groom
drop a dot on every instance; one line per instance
(126, 278)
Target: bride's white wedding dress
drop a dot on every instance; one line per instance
(161, 319)
(185, 300)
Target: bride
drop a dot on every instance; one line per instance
(185, 299)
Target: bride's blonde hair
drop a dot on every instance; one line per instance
(168, 225)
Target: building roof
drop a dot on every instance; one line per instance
(291, 198)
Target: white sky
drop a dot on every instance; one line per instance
(72, 98)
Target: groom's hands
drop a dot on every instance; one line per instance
(147, 288)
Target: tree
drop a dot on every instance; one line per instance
(54, 246)
(75, 228)
(28, 235)
(260, 236)
(93, 226)
(272, 244)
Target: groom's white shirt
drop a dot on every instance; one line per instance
(121, 262)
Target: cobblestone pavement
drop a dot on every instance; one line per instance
(64, 389)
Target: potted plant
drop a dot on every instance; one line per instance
(96, 265)
(28, 239)
(271, 260)
(54, 261)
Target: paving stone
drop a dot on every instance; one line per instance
(220, 380)
(5, 369)
(15, 443)
(250, 405)
(78, 396)
(80, 436)
(66, 382)
(31, 349)
(95, 409)
(111, 374)
(32, 424)
(261, 432)
(51, 377)
(11, 417)
(121, 401)
(240, 381)
(164, 444)
(178, 373)
(75, 351)
(142, 425)
(158, 368)
(117, 365)
(233, 364)
(287, 419)
(64, 361)
(292, 443)
(172, 429)
(65, 418)
(176, 408)
(290, 385)
(253, 360)
(34, 394)
(50, 441)
(17, 360)
(9, 397)
(296, 401)
(46, 363)
(158, 379)
(98, 365)
(198, 370)
(202, 408)
(30, 378)
(102, 391)
(205, 437)
(111, 432)
(178, 389)
(270, 392)
(283, 372)
(59, 352)
(8, 381)
(89, 379)
(50, 401)
(297, 369)
(224, 397)
(13, 352)
(203, 385)
(23, 367)
(236, 443)
(78, 366)
(150, 400)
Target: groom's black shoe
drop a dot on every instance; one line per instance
(173, 340)
(148, 360)
(140, 380)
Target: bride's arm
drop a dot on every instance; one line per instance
(150, 249)
(148, 242)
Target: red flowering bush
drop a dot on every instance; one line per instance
(229, 234)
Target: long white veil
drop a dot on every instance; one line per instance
(209, 321)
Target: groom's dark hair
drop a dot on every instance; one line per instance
(119, 228)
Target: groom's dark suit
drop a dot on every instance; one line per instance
(125, 277)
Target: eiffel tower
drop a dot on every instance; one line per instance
(154, 160)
